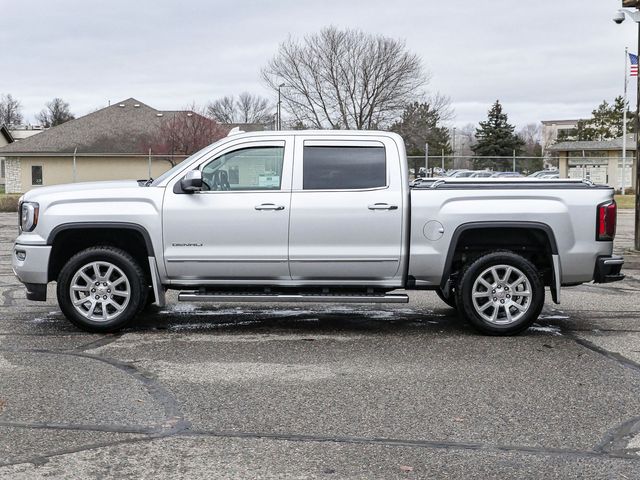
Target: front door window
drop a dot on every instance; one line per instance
(254, 168)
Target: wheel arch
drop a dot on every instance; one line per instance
(69, 238)
(500, 235)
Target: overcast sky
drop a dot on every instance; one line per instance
(547, 59)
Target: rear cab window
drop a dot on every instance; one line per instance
(344, 167)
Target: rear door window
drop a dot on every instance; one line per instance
(344, 167)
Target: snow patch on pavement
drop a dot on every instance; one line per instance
(553, 317)
(546, 329)
(195, 310)
(634, 444)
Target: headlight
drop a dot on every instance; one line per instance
(29, 216)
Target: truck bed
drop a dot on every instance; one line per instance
(442, 208)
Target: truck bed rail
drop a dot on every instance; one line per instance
(502, 184)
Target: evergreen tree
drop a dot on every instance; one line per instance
(420, 124)
(605, 123)
(496, 137)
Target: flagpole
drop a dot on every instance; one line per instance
(624, 121)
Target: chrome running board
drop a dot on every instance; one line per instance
(300, 298)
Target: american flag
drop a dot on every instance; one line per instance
(634, 64)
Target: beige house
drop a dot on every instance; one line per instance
(110, 144)
(598, 161)
(5, 139)
(15, 134)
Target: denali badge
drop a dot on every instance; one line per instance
(186, 244)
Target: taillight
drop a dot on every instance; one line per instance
(606, 226)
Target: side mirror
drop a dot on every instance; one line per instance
(192, 181)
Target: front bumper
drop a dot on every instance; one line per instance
(30, 263)
(608, 269)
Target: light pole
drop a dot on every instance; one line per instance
(280, 106)
(619, 18)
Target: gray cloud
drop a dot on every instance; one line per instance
(544, 59)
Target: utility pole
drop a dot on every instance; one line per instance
(279, 124)
(426, 160)
(619, 18)
(637, 114)
(624, 123)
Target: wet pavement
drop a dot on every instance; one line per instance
(291, 391)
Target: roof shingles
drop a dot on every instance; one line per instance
(615, 144)
(115, 129)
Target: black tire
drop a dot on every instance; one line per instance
(134, 274)
(148, 304)
(534, 304)
(150, 308)
(449, 300)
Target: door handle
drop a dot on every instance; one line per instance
(382, 206)
(269, 206)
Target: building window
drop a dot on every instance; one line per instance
(589, 154)
(343, 168)
(2, 168)
(36, 175)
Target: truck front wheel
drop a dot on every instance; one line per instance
(500, 293)
(101, 289)
(448, 299)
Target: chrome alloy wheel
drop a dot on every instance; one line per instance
(501, 294)
(100, 291)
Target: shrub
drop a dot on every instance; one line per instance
(9, 203)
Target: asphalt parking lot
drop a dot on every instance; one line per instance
(298, 391)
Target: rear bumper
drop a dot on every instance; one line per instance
(608, 269)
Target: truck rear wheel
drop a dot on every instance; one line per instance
(101, 289)
(500, 293)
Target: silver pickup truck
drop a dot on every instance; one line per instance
(313, 216)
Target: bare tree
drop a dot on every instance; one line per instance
(10, 110)
(247, 108)
(531, 135)
(345, 79)
(55, 113)
(441, 104)
(466, 139)
(184, 133)
(223, 110)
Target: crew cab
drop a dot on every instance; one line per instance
(313, 216)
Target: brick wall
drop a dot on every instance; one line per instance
(13, 183)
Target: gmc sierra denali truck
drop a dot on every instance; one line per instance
(313, 216)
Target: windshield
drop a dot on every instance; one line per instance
(169, 173)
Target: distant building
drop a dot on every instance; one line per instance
(5, 139)
(14, 134)
(20, 132)
(248, 127)
(598, 161)
(108, 144)
(553, 129)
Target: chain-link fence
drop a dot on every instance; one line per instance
(613, 171)
(437, 165)
(27, 171)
